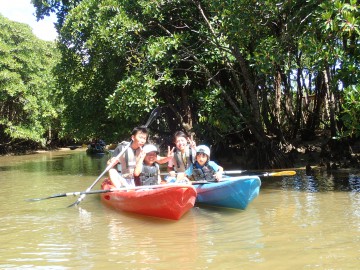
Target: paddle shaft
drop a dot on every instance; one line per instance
(76, 193)
(224, 172)
(115, 160)
(280, 173)
(152, 116)
(214, 181)
(80, 193)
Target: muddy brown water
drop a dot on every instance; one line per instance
(299, 222)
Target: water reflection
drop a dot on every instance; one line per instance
(354, 183)
(71, 164)
(193, 241)
(320, 181)
(146, 242)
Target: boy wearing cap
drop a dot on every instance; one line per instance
(203, 168)
(147, 171)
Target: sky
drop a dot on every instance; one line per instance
(23, 11)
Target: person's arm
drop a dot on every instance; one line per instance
(170, 168)
(218, 170)
(188, 172)
(112, 160)
(192, 144)
(184, 176)
(139, 164)
(117, 151)
(170, 155)
(162, 160)
(219, 174)
(159, 177)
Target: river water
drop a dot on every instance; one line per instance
(299, 222)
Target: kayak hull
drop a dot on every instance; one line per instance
(235, 193)
(169, 201)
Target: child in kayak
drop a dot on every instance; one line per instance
(121, 175)
(147, 171)
(203, 168)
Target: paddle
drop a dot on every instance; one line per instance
(280, 173)
(224, 172)
(152, 117)
(80, 193)
(214, 181)
(234, 172)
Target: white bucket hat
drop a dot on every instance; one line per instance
(150, 148)
(203, 149)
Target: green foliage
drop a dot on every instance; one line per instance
(215, 119)
(115, 62)
(135, 94)
(28, 93)
(334, 39)
(122, 58)
(351, 111)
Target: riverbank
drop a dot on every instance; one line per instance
(327, 154)
(41, 150)
(320, 153)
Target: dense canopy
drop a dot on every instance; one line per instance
(251, 75)
(27, 85)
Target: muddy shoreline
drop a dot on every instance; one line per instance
(320, 153)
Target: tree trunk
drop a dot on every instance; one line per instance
(277, 83)
(268, 152)
(298, 110)
(313, 120)
(330, 102)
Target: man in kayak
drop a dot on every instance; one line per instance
(203, 168)
(147, 170)
(121, 175)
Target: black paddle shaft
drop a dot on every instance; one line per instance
(76, 193)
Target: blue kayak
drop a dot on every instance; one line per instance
(231, 192)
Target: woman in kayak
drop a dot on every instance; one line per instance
(147, 170)
(184, 155)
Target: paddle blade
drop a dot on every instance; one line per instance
(37, 199)
(78, 201)
(46, 198)
(154, 114)
(282, 173)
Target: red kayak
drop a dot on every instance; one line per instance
(163, 201)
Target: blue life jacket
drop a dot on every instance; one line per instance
(204, 173)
